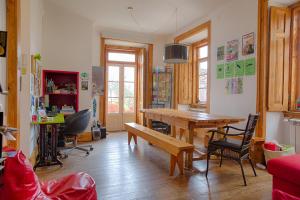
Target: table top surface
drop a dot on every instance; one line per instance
(58, 119)
(192, 116)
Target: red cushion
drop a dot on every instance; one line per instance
(280, 195)
(75, 186)
(20, 182)
(287, 168)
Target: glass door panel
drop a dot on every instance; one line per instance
(113, 89)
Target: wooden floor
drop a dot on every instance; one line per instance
(141, 172)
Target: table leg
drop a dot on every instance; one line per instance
(189, 156)
(173, 131)
(149, 123)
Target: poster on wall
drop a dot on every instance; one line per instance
(220, 71)
(250, 67)
(234, 86)
(232, 50)
(3, 43)
(239, 68)
(84, 76)
(248, 43)
(84, 85)
(229, 70)
(220, 53)
(97, 81)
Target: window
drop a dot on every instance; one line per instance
(121, 57)
(202, 64)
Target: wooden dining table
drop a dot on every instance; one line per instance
(188, 121)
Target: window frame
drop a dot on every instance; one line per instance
(196, 61)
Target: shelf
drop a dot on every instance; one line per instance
(61, 94)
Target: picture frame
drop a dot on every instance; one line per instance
(248, 44)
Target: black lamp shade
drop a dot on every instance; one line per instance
(176, 53)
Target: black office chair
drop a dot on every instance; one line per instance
(228, 149)
(74, 125)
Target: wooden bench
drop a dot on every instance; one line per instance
(171, 145)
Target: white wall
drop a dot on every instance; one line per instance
(230, 22)
(72, 42)
(30, 43)
(67, 45)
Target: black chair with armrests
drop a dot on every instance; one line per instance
(74, 125)
(228, 149)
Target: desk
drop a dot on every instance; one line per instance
(47, 154)
(189, 121)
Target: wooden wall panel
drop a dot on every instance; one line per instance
(185, 80)
(148, 91)
(12, 17)
(262, 64)
(295, 58)
(279, 59)
(103, 97)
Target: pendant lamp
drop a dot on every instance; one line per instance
(176, 53)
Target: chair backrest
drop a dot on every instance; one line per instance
(77, 123)
(250, 128)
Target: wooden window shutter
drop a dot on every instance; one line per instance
(185, 80)
(279, 59)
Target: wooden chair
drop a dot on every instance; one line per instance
(224, 148)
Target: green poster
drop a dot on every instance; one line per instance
(229, 70)
(250, 68)
(220, 71)
(239, 68)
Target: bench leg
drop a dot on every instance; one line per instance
(129, 138)
(135, 139)
(173, 160)
(180, 162)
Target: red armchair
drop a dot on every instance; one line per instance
(286, 177)
(20, 182)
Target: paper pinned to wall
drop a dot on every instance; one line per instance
(97, 81)
(239, 68)
(229, 70)
(250, 68)
(234, 86)
(220, 71)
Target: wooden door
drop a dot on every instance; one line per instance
(279, 59)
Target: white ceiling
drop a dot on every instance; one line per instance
(150, 16)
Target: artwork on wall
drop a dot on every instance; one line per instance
(239, 68)
(162, 86)
(234, 86)
(232, 50)
(220, 53)
(84, 76)
(248, 43)
(84, 85)
(97, 81)
(3, 43)
(220, 71)
(250, 67)
(229, 70)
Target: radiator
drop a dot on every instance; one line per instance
(295, 133)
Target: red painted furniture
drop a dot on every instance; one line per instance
(60, 79)
(286, 175)
(21, 183)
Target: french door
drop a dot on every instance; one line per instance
(121, 96)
